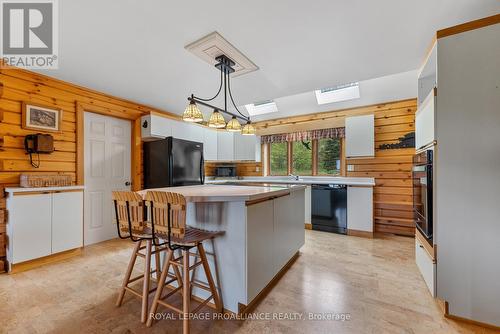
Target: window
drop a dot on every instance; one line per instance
(302, 158)
(337, 94)
(278, 158)
(260, 108)
(329, 156)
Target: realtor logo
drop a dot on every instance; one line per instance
(29, 33)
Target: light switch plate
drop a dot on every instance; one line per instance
(350, 168)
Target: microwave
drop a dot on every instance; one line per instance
(422, 176)
(225, 171)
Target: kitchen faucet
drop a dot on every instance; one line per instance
(296, 177)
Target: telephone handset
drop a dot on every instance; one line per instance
(38, 143)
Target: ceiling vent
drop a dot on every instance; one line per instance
(213, 45)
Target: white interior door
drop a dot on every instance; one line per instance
(107, 168)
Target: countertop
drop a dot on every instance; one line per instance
(228, 193)
(42, 189)
(307, 180)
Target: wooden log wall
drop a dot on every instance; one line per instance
(243, 168)
(391, 168)
(18, 86)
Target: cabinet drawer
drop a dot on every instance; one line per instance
(426, 266)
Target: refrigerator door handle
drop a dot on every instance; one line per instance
(202, 172)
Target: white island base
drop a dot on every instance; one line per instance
(264, 230)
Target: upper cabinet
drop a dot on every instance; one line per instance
(217, 144)
(360, 136)
(424, 121)
(225, 146)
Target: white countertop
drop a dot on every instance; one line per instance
(226, 193)
(42, 189)
(349, 181)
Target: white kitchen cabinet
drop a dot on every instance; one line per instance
(258, 149)
(29, 226)
(426, 265)
(244, 147)
(210, 144)
(424, 121)
(360, 136)
(67, 231)
(225, 146)
(43, 221)
(260, 230)
(154, 127)
(360, 208)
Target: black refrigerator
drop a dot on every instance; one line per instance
(172, 162)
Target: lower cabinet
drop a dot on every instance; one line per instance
(42, 224)
(360, 208)
(426, 265)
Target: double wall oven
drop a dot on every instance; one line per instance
(422, 192)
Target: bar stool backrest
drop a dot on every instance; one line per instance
(161, 202)
(129, 208)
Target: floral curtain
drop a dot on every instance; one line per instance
(304, 135)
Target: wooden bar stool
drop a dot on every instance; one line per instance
(168, 221)
(131, 224)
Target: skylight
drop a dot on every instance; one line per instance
(260, 108)
(339, 93)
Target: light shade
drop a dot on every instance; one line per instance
(248, 129)
(216, 120)
(233, 125)
(192, 113)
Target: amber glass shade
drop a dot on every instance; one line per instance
(248, 129)
(192, 113)
(233, 125)
(216, 120)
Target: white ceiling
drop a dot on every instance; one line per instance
(135, 49)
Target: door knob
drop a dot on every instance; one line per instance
(128, 183)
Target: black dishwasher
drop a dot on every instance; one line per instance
(329, 208)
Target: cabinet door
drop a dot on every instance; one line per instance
(30, 217)
(67, 221)
(244, 147)
(360, 208)
(155, 127)
(260, 241)
(424, 122)
(360, 136)
(225, 145)
(210, 144)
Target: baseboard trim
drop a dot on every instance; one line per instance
(308, 226)
(31, 264)
(358, 233)
(466, 320)
(245, 309)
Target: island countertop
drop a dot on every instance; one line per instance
(305, 180)
(228, 193)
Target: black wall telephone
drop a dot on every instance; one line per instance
(38, 143)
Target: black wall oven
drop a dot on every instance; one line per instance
(422, 192)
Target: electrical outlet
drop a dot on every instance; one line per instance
(350, 168)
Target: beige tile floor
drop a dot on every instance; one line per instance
(374, 281)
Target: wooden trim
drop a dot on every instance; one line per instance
(136, 154)
(31, 264)
(289, 157)
(308, 226)
(245, 309)
(362, 234)
(314, 157)
(1, 89)
(24, 108)
(469, 321)
(430, 249)
(80, 168)
(41, 192)
(343, 158)
(472, 25)
(261, 200)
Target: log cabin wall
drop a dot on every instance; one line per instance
(391, 168)
(18, 86)
(243, 168)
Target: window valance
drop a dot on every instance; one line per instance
(304, 135)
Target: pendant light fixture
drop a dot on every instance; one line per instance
(248, 129)
(217, 120)
(193, 113)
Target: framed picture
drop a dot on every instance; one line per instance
(41, 118)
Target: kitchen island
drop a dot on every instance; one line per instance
(264, 230)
